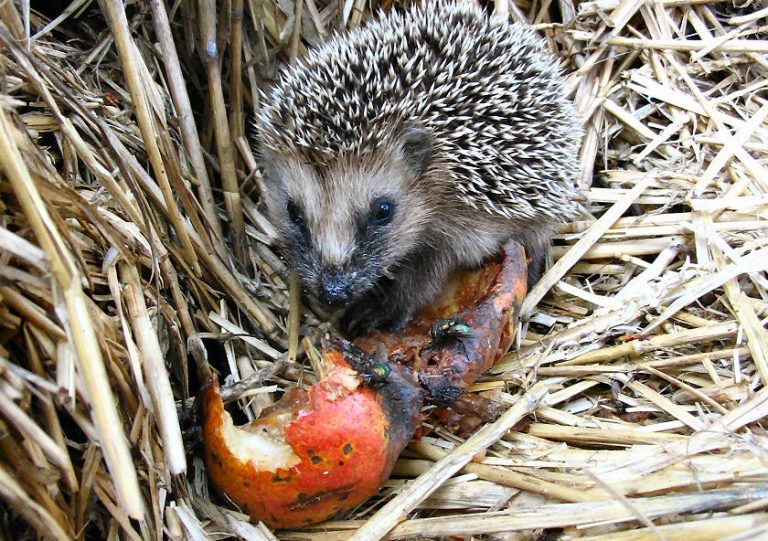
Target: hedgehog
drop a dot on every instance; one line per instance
(416, 145)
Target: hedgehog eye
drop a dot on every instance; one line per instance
(381, 212)
(295, 214)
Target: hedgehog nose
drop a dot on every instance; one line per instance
(334, 287)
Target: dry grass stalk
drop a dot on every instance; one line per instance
(508, 477)
(120, 147)
(583, 515)
(212, 58)
(80, 326)
(140, 97)
(186, 118)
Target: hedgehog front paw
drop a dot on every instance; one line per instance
(372, 314)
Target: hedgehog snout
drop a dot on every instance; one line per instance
(334, 286)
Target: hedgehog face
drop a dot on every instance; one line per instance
(349, 223)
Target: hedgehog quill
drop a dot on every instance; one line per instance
(413, 146)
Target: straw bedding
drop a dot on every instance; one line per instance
(131, 240)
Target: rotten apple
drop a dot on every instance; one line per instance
(326, 449)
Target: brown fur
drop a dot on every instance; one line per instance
(434, 231)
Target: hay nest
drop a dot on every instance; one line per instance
(131, 231)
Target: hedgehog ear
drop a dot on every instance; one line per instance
(266, 164)
(416, 148)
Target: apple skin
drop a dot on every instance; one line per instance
(343, 435)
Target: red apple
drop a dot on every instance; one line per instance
(317, 451)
